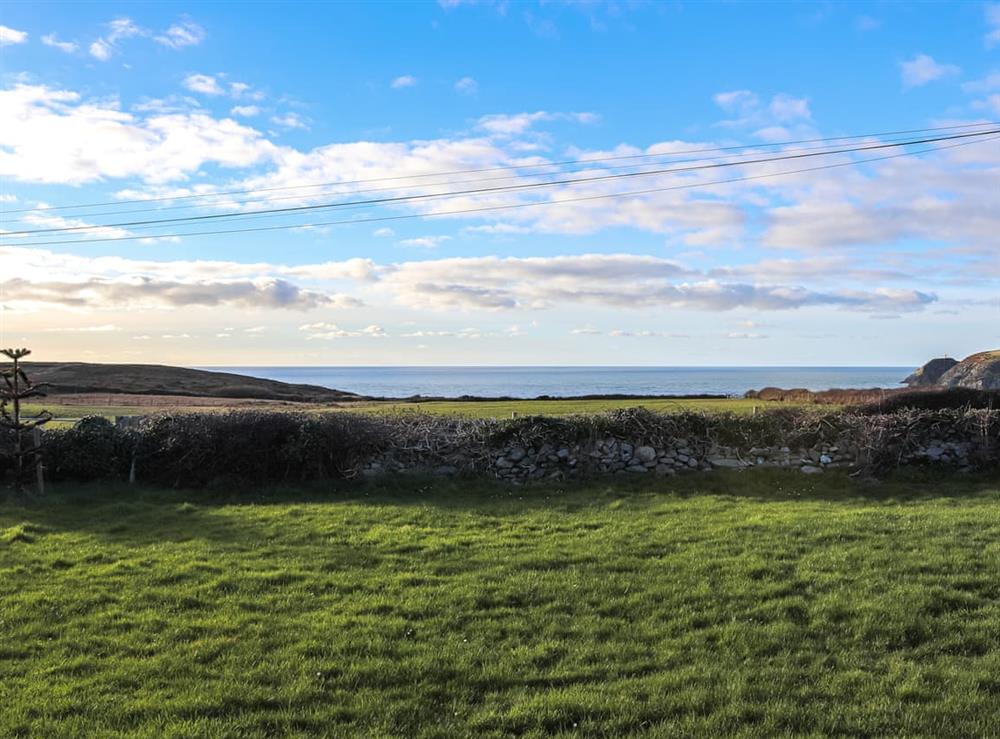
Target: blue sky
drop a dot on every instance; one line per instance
(883, 262)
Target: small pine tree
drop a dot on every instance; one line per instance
(15, 389)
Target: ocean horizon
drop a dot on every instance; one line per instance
(519, 381)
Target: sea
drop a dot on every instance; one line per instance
(531, 382)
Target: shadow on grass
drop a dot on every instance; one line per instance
(135, 515)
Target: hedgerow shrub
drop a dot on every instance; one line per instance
(6, 453)
(93, 449)
(251, 446)
(884, 440)
(254, 447)
(332, 445)
(956, 398)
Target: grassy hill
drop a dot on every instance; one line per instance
(156, 379)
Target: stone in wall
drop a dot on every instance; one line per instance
(614, 456)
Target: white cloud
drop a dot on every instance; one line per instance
(10, 36)
(425, 242)
(465, 333)
(65, 46)
(739, 102)
(39, 219)
(502, 124)
(246, 111)
(143, 292)
(383, 232)
(993, 21)
(812, 269)
(180, 282)
(922, 69)
(696, 218)
(101, 50)
(616, 280)
(290, 120)
(102, 329)
(745, 335)
(206, 84)
(52, 136)
(467, 86)
(324, 330)
(179, 35)
(238, 89)
(987, 84)
(643, 334)
(992, 103)
(519, 123)
(497, 229)
(120, 28)
(469, 283)
(787, 108)
(943, 196)
(772, 120)
(948, 197)
(355, 270)
(403, 81)
(472, 334)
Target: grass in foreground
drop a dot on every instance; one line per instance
(755, 604)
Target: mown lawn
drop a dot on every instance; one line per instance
(760, 604)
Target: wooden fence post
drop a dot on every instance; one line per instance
(36, 435)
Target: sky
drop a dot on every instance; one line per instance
(112, 113)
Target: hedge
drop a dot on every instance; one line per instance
(254, 447)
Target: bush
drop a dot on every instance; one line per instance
(6, 453)
(252, 446)
(953, 398)
(93, 449)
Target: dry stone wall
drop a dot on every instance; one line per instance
(856, 447)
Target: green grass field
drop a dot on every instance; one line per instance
(504, 408)
(759, 604)
(471, 409)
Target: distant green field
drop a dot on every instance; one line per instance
(755, 604)
(476, 409)
(504, 408)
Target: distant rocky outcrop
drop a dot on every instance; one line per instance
(930, 373)
(978, 372)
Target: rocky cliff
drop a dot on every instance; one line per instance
(930, 373)
(978, 372)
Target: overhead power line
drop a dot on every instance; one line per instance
(403, 199)
(591, 160)
(484, 209)
(35, 215)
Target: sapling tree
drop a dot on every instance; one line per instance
(14, 390)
